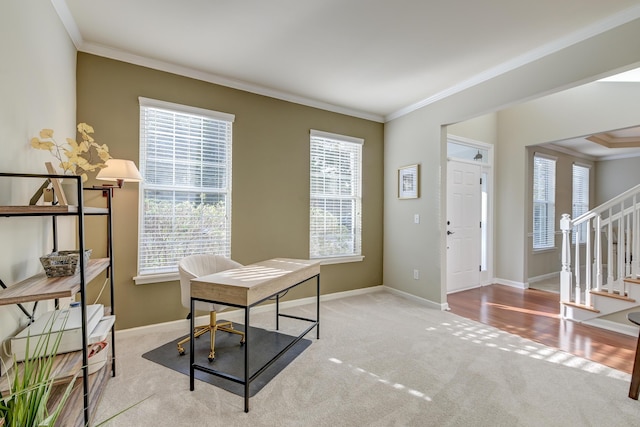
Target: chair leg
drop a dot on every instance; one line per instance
(228, 327)
(212, 336)
(212, 327)
(198, 331)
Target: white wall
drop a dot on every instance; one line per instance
(37, 90)
(616, 176)
(417, 138)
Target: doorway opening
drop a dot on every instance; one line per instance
(469, 213)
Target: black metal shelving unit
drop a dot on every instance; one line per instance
(40, 288)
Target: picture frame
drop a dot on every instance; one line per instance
(57, 185)
(409, 182)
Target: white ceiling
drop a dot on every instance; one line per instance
(375, 59)
(583, 147)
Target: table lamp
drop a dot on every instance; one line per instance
(119, 170)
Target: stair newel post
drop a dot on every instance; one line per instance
(598, 254)
(588, 264)
(565, 273)
(576, 267)
(610, 264)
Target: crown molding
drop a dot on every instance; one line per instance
(619, 156)
(593, 30)
(570, 152)
(68, 22)
(609, 141)
(107, 52)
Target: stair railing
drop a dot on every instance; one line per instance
(612, 232)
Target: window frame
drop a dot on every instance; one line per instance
(544, 239)
(144, 273)
(317, 137)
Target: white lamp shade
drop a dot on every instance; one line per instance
(119, 169)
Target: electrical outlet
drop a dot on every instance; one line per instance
(416, 274)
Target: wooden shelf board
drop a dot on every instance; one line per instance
(40, 287)
(64, 368)
(48, 210)
(73, 413)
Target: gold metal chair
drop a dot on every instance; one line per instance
(196, 266)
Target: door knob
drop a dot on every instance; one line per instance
(450, 232)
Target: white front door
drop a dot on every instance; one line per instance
(463, 225)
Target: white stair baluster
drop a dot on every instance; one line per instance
(610, 264)
(598, 248)
(577, 298)
(620, 249)
(588, 264)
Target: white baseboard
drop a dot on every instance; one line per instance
(512, 283)
(610, 325)
(238, 314)
(544, 277)
(419, 300)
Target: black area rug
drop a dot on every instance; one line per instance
(230, 357)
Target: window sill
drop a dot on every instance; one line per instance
(156, 278)
(544, 250)
(339, 260)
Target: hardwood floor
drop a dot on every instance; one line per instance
(534, 314)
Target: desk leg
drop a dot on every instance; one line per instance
(635, 375)
(191, 346)
(318, 307)
(247, 342)
(278, 312)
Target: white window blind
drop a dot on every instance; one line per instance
(336, 195)
(185, 159)
(580, 198)
(544, 194)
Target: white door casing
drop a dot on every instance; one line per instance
(463, 225)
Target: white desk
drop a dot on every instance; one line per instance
(246, 287)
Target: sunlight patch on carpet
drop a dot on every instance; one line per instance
(396, 386)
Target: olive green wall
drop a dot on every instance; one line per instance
(270, 200)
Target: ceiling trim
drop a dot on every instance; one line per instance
(619, 156)
(130, 58)
(600, 27)
(609, 141)
(569, 151)
(68, 22)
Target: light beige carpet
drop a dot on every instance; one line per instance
(383, 360)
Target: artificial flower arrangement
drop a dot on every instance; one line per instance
(76, 158)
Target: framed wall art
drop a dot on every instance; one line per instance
(408, 182)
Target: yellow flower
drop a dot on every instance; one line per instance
(46, 133)
(41, 145)
(81, 157)
(84, 128)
